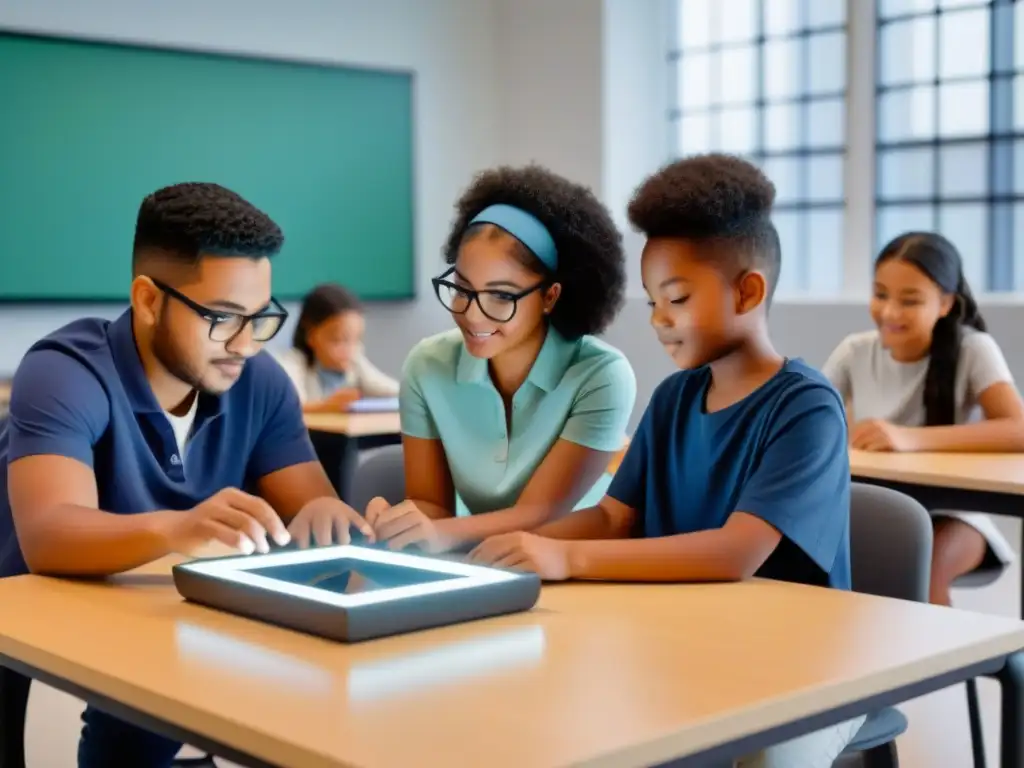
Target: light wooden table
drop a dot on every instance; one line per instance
(973, 482)
(354, 424)
(597, 675)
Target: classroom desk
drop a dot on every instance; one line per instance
(337, 438)
(598, 675)
(354, 424)
(973, 482)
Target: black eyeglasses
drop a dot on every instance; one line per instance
(499, 306)
(225, 326)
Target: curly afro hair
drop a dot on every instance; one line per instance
(717, 198)
(184, 221)
(591, 263)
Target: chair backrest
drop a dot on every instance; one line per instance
(380, 472)
(890, 543)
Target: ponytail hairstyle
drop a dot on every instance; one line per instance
(320, 305)
(939, 260)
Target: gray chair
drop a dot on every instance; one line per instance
(380, 472)
(891, 553)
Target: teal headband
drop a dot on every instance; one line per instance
(524, 227)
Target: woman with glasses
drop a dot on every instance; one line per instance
(517, 410)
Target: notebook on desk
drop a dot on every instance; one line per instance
(374, 405)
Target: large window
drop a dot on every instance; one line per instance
(950, 122)
(767, 79)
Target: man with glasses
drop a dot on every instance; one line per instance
(130, 440)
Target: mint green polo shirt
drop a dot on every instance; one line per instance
(582, 391)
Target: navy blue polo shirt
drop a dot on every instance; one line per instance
(780, 454)
(81, 392)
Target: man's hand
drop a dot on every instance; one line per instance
(404, 524)
(548, 558)
(878, 435)
(327, 521)
(231, 517)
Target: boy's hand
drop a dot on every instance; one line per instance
(878, 435)
(404, 524)
(326, 521)
(548, 558)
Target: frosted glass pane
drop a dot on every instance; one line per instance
(694, 78)
(781, 17)
(908, 51)
(889, 8)
(964, 43)
(782, 68)
(694, 134)
(826, 126)
(945, 4)
(782, 126)
(826, 13)
(828, 54)
(825, 245)
(1018, 34)
(791, 275)
(825, 179)
(737, 131)
(1018, 98)
(737, 21)
(894, 220)
(1018, 167)
(907, 114)
(965, 226)
(785, 174)
(963, 109)
(906, 173)
(963, 170)
(694, 20)
(1018, 245)
(737, 75)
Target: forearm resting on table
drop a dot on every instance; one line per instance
(591, 523)
(990, 435)
(71, 540)
(714, 555)
(476, 528)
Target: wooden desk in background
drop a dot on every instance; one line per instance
(971, 482)
(598, 675)
(354, 424)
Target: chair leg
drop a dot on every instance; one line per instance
(882, 756)
(13, 709)
(974, 714)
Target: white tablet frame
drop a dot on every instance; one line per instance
(238, 570)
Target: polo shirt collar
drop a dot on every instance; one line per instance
(548, 369)
(133, 376)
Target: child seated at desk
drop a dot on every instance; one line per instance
(918, 381)
(740, 464)
(518, 409)
(326, 362)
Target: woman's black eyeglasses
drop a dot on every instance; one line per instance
(499, 306)
(225, 326)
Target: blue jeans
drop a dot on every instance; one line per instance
(107, 742)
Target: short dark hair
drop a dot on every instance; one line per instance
(939, 260)
(721, 199)
(321, 304)
(591, 263)
(183, 221)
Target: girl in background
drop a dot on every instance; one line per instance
(326, 362)
(930, 378)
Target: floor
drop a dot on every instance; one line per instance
(938, 734)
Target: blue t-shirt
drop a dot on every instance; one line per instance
(81, 393)
(780, 454)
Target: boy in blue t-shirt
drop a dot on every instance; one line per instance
(739, 466)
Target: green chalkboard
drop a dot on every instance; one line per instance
(88, 129)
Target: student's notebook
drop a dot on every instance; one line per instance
(374, 405)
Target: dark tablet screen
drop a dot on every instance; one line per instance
(350, 575)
